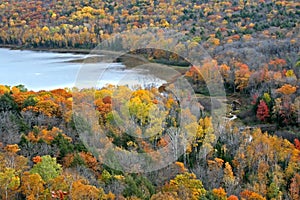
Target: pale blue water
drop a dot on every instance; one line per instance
(47, 70)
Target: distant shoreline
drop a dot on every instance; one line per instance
(129, 62)
(55, 50)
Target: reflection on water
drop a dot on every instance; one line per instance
(47, 70)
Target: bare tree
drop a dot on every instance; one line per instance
(9, 128)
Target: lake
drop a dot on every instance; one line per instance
(40, 70)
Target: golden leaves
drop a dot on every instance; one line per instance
(46, 135)
(81, 191)
(4, 89)
(287, 89)
(12, 148)
(242, 75)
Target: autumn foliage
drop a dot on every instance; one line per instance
(287, 89)
(255, 53)
(38, 130)
(39, 175)
(262, 112)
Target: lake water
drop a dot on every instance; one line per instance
(39, 70)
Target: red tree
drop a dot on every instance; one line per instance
(297, 144)
(262, 112)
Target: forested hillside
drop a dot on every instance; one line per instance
(42, 154)
(85, 23)
(149, 142)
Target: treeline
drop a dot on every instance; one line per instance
(84, 24)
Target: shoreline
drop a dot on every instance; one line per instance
(128, 61)
(54, 50)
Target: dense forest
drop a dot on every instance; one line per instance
(149, 142)
(85, 23)
(44, 154)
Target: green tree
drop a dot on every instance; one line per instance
(7, 103)
(63, 144)
(48, 168)
(138, 186)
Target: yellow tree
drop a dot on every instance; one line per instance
(229, 178)
(204, 137)
(80, 191)
(32, 186)
(186, 186)
(219, 194)
(242, 75)
(9, 183)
